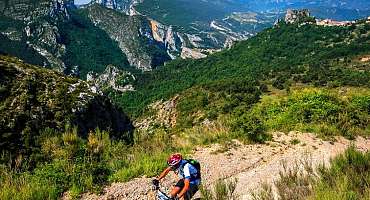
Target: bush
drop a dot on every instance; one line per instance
(223, 190)
(347, 178)
(70, 163)
(315, 110)
(251, 127)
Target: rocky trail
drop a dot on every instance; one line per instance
(251, 165)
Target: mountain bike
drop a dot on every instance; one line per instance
(160, 195)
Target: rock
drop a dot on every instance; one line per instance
(107, 3)
(294, 16)
(165, 115)
(173, 41)
(192, 53)
(29, 10)
(40, 33)
(133, 34)
(110, 78)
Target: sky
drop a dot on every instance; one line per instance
(79, 2)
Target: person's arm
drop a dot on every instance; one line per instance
(185, 189)
(187, 177)
(164, 173)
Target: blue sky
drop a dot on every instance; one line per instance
(79, 2)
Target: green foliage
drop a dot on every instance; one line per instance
(252, 127)
(28, 106)
(214, 99)
(284, 55)
(26, 186)
(67, 162)
(315, 110)
(347, 178)
(89, 47)
(222, 190)
(18, 48)
(231, 98)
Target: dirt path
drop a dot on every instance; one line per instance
(250, 164)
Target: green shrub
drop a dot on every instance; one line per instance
(251, 127)
(347, 178)
(315, 110)
(222, 190)
(68, 163)
(283, 55)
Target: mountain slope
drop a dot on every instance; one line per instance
(282, 55)
(133, 34)
(88, 48)
(34, 99)
(30, 23)
(56, 35)
(217, 23)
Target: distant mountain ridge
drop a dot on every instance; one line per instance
(217, 24)
(55, 34)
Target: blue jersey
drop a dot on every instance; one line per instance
(188, 171)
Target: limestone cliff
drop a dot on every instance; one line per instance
(173, 41)
(293, 16)
(35, 24)
(112, 4)
(29, 10)
(133, 34)
(112, 78)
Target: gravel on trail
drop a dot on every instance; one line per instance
(251, 164)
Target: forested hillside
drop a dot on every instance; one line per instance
(279, 56)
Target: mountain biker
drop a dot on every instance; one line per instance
(189, 176)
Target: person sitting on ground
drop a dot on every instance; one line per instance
(189, 175)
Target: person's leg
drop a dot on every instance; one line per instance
(178, 187)
(192, 190)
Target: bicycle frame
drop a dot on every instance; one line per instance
(162, 196)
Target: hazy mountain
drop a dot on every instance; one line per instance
(215, 24)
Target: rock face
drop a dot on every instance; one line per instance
(32, 9)
(40, 27)
(133, 34)
(112, 78)
(165, 116)
(34, 24)
(169, 40)
(293, 16)
(173, 41)
(32, 99)
(107, 3)
(126, 6)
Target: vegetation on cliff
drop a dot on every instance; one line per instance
(33, 98)
(280, 56)
(228, 85)
(89, 47)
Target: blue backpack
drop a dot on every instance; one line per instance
(195, 164)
